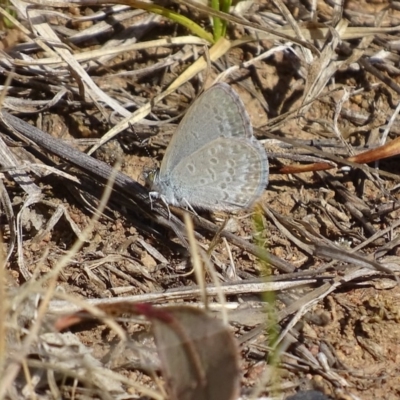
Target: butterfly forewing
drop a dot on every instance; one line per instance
(217, 112)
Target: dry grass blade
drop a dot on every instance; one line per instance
(315, 31)
(10, 161)
(215, 52)
(9, 214)
(13, 368)
(113, 80)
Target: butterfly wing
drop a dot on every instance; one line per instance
(226, 174)
(218, 112)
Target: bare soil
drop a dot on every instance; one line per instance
(343, 324)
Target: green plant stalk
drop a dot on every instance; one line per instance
(7, 23)
(225, 7)
(217, 23)
(174, 16)
(269, 297)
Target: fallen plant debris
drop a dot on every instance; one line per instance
(307, 280)
(199, 356)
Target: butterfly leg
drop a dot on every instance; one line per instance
(162, 198)
(189, 207)
(166, 205)
(151, 195)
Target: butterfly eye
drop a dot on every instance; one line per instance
(150, 176)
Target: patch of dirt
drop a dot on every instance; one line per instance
(326, 239)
